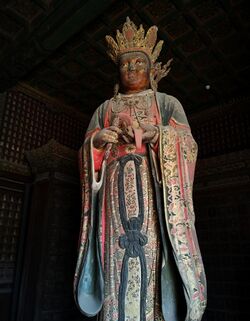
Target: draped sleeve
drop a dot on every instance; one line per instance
(88, 156)
(177, 157)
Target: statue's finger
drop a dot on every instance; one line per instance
(113, 137)
(113, 141)
(111, 133)
(147, 135)
(115, 129)
(147, 127)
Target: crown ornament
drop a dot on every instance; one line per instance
(134, 39)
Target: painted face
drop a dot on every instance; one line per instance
(134, 69)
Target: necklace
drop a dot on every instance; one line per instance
(140, 102)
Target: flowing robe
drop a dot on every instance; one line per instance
(131, 261)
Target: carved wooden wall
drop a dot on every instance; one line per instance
(222, 207)
(11, 201)
(28, 120)
(222, 129)
(52, 236)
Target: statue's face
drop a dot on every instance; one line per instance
(134, 69)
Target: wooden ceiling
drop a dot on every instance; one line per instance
(59, 48)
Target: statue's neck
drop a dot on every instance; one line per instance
(133, 91)
(137, 93)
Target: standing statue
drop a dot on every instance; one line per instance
(139, 258)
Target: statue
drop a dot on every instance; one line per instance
(139, 257)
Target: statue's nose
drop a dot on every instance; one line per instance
(131, 66)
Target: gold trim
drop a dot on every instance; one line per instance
(132, 39)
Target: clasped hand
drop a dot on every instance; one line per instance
(113, 133)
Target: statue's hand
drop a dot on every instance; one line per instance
(106, 135)
(150, 133)
(128, 134)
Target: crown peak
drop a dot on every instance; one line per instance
(132, 39)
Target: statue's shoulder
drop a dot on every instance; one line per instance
(101, 109)
(170, 106)
(167, 101)
(103, 105)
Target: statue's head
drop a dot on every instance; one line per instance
(136, 55)
(134, 71)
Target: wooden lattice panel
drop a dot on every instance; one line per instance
(226, 132)
(29, 123)
(10, 213)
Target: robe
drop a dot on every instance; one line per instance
(121, 248)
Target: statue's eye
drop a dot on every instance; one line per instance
(140, 62)
(124, 65)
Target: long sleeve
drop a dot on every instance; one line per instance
(177, 153)
(87, 157)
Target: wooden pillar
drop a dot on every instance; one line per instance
(52, 235)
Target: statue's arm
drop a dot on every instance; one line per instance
(173, 111)
(95, 126)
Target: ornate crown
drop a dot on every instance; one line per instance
(133, 39)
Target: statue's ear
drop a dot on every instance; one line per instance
(153, 71)
(116, 89)
(153, 77)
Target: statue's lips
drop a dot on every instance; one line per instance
(132, 77)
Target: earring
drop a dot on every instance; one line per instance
(116, 90)
(153, 83)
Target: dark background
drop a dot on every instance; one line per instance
(54, 72)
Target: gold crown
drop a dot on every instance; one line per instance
(132, 39)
